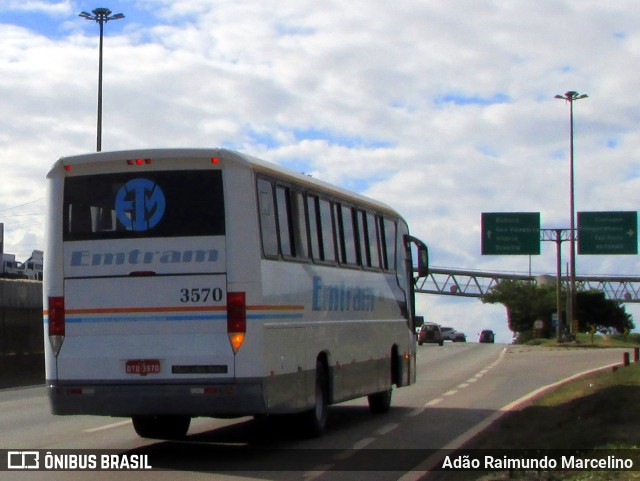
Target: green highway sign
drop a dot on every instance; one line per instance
(510, 233)
(608, 233)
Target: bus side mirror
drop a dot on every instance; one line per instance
(423, 256)
(419, 321)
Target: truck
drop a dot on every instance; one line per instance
(11, 268)
(33, 266)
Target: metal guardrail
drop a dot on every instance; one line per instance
(461, 283)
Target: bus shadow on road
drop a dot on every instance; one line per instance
(355, 440)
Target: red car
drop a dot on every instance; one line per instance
(430, 332)
(487, 336)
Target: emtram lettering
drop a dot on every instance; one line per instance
(341, 297)
(136, 256)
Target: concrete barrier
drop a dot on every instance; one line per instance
(20, 294)
(21, 333)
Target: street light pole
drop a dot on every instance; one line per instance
(100, 16)
(570, 97)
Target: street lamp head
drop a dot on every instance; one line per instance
(571, 95)
(101, 11)
(101, 15)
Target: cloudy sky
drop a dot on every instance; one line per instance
(442, 109)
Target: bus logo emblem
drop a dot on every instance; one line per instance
(140, 204)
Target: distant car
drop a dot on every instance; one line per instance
(459, 337)
(447, 333)
(430, 332)
(487, 336)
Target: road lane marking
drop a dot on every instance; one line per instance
(107, 426)
(386, 429)
(347, 453)
(419, 471)
(363, 443)
(317, 472)
(341, 456)
(469, 381)
(416, 412)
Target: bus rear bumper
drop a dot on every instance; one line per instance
(206, 399)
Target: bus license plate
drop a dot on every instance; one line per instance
(143, 366)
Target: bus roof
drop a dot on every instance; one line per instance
(248, 161)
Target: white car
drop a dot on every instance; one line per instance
(447, 333)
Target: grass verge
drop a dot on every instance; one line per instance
(598, 411)
(595, 341)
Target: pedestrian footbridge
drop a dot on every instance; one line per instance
(466, 283)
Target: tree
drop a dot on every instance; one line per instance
(606, 315)
(525, 302)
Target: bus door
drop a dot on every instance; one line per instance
(421, 269)
(405, 271)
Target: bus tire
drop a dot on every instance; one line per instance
(380, 402)
(161, 427)
(316, 418)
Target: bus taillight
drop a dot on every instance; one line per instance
(56, 323)
(236, 319)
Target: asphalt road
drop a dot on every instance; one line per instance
(461, 388)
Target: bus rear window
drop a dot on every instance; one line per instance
(150, 204)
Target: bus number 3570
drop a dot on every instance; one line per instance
(201, 294)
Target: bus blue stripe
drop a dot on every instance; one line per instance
(177, 318)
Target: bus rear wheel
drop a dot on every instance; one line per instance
(161, 427)
(316, 418)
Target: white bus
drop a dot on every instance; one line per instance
(203, 282)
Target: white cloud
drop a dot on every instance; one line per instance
(443, 110)
(58, 8)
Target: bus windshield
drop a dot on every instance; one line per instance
(142, 205)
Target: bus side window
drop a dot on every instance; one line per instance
(300, 236)
(373, 239)
(314, 227)
(328, 245)
(387, 243)
(337, 222)
(283, 202)
(390, 240)
(365, 254)
(267, 219)
(348, 235)
(368, 240)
